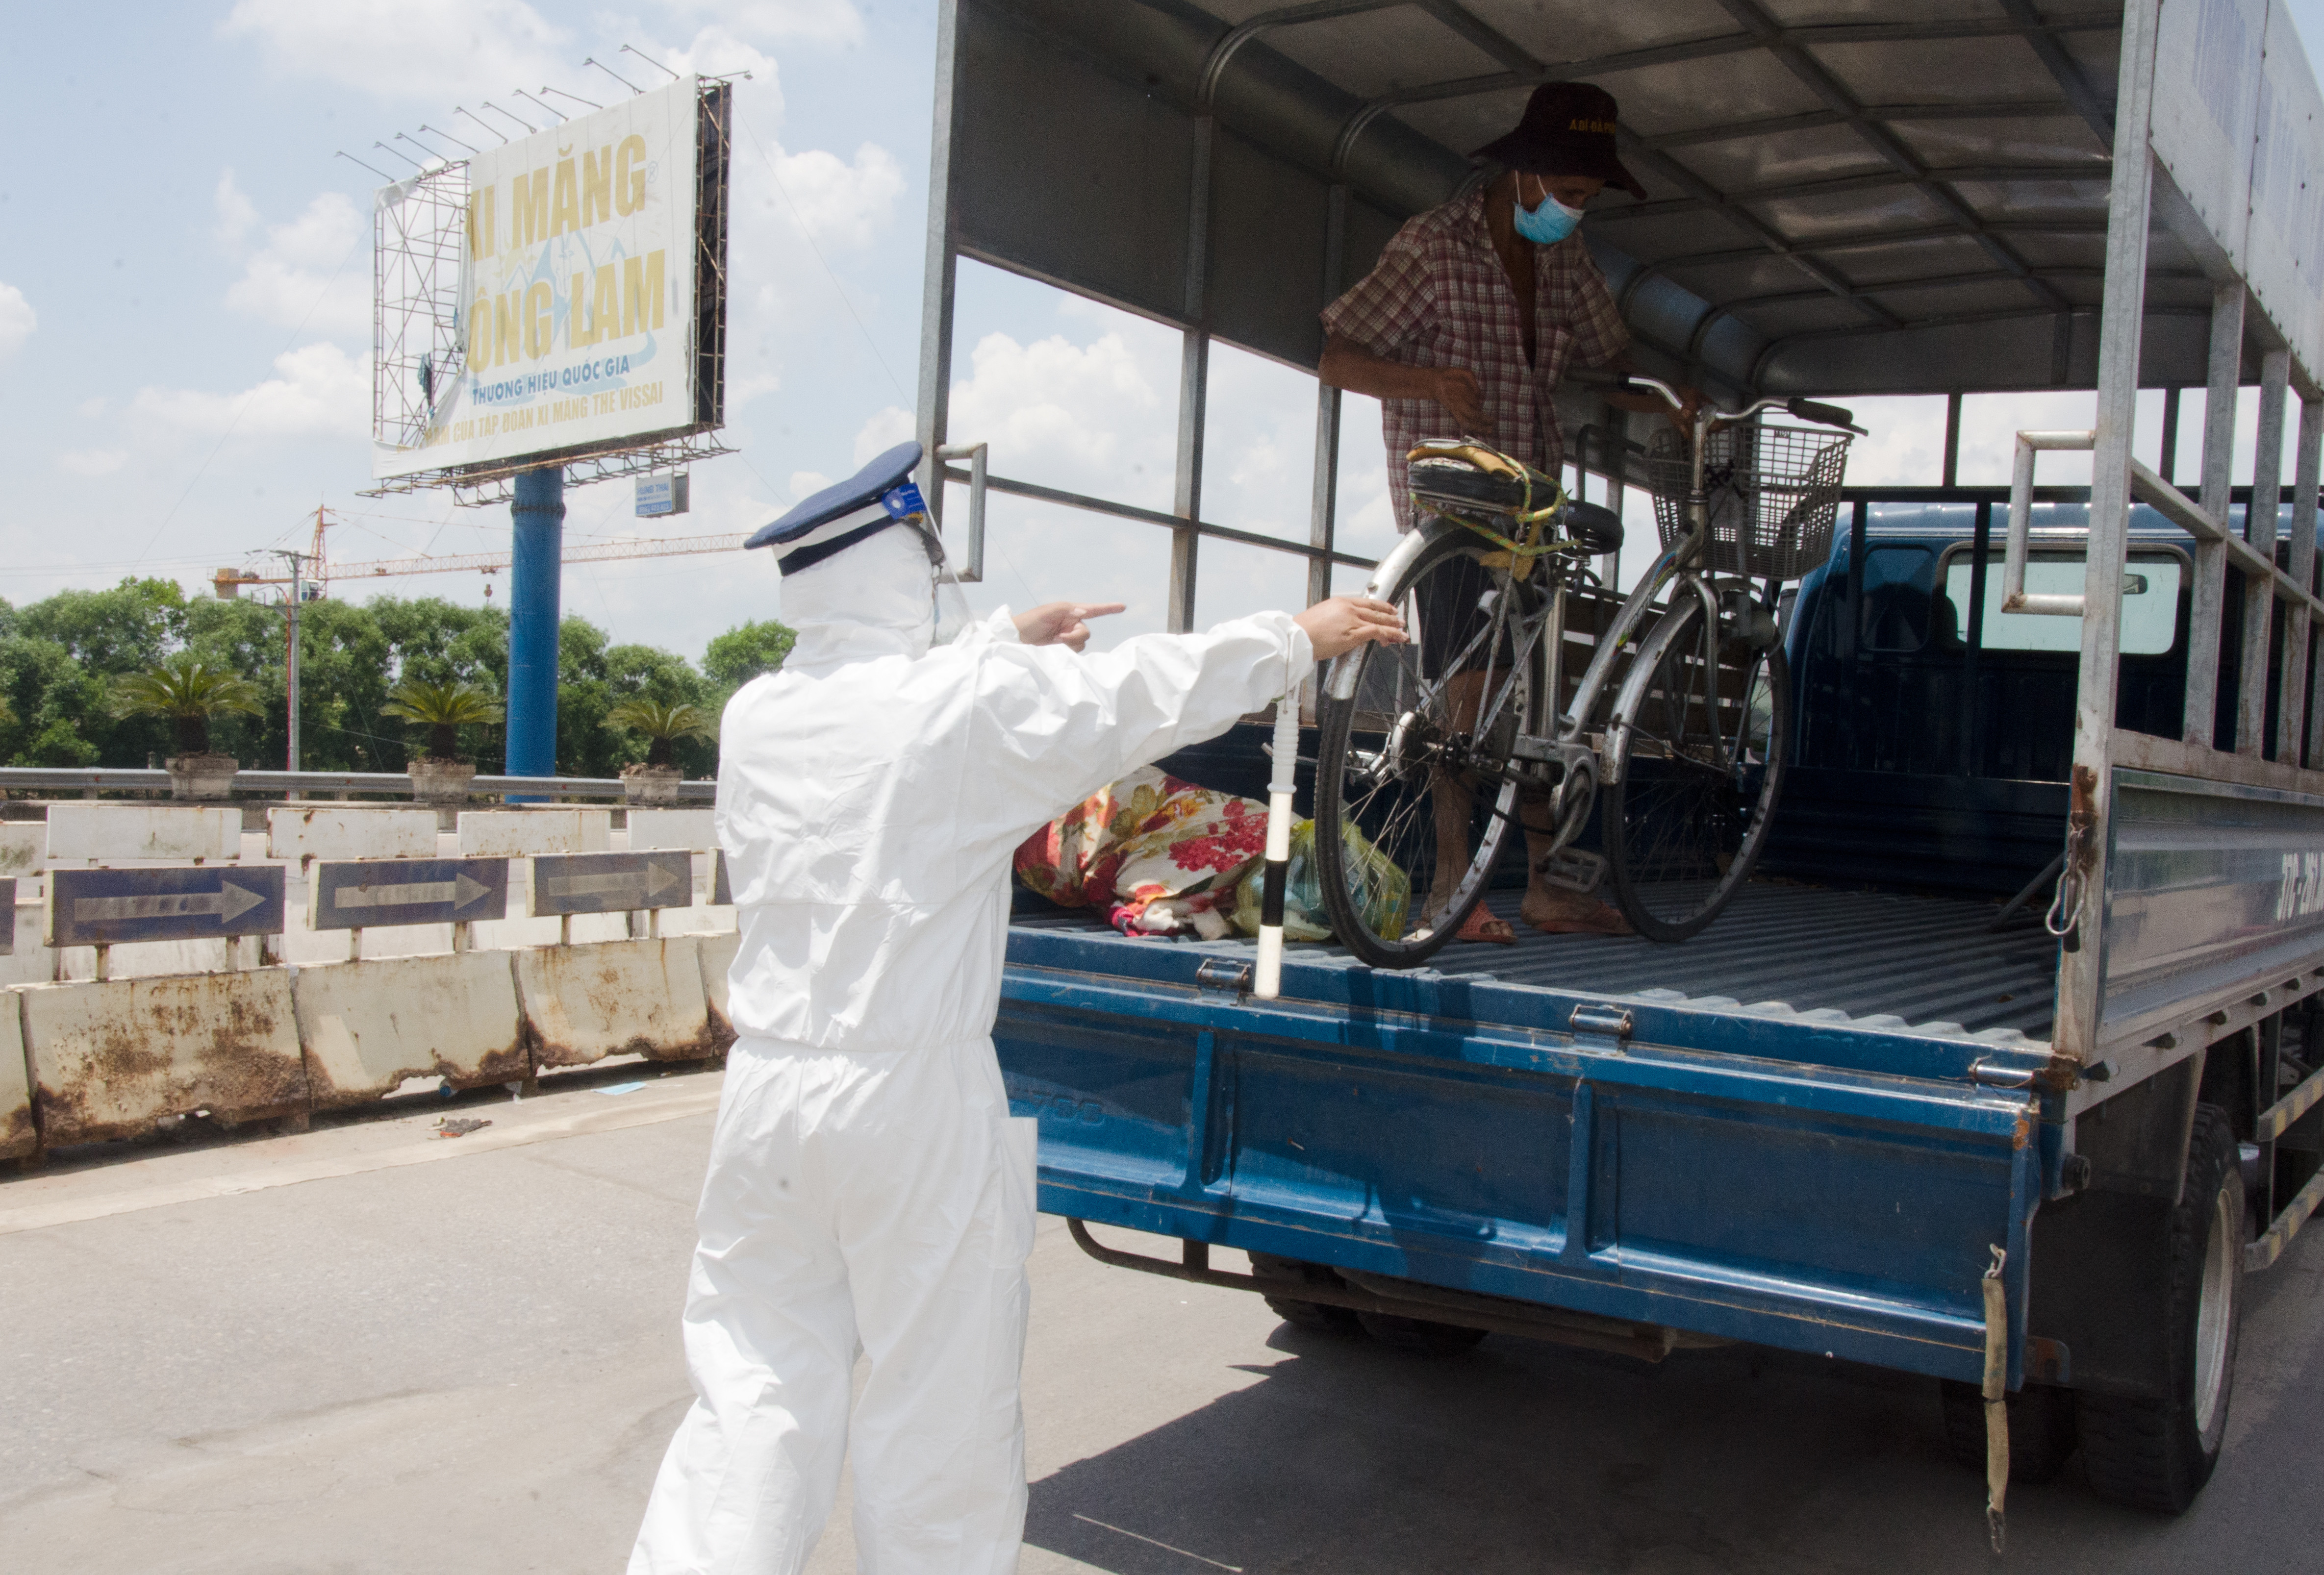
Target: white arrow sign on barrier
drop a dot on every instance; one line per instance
(459, 891)
(229, 902)
(648, 883)
(575, 884)
(111, 907)
(361, 893)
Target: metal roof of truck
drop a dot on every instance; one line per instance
(1843, 196)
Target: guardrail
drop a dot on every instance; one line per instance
(307, 784)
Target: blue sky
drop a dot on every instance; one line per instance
(185, 310)
(196, 265)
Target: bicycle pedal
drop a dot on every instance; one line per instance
(1572, 869)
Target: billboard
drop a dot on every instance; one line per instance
(587, 315)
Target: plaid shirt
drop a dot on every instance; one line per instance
(1438, 297)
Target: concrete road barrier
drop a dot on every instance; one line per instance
(694, 830)
(522, 834)
(717, 960)
(24, 847)
(17, 1134)
(106, 834)
(110, 1059)
(585, 1002)
(337, 830)
(368, 1026)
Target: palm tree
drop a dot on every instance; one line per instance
(189, 691)
(443, 709)
(663, 723)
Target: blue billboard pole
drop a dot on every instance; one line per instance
(538, 563)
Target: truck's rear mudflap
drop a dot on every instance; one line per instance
(1817, 1208)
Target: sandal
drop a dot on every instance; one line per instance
(1484, 925)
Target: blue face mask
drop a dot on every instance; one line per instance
(1549, 224)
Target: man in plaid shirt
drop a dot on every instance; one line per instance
(1463, 330)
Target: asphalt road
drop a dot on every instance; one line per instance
(334, 1353)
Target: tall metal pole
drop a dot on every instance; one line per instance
(941, 275)
(2121, 323)
(533, 601)
(291, 657)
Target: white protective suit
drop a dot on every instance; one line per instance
(868, 1190)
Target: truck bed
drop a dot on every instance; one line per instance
(1876, 958)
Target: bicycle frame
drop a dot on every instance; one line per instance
(1566, 744)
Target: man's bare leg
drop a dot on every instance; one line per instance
(1452, 797)
(1547, 905)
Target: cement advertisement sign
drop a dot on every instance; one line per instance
(578, 291)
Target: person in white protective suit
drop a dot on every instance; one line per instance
(868, 1190)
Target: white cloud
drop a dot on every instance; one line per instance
(813, 20)
(744, 390)
(308, 273)
(882, 432)
(432, 49)
(1095, 418)
(784, 200)
(235, 212)
(1089, 418)
(320, 392)
(91, 409)
(805, 482)
(840, 204)
(92, 461)
(17, 321)
(717, 52)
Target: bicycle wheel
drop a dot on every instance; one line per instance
(1700, 731)
(1413, 791)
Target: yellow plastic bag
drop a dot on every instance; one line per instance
(1386, 890)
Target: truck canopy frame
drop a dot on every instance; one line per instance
(1976, 196)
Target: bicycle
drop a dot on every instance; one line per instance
(1450, 739)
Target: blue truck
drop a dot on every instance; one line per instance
(2006, 1065)
(1818, 1126)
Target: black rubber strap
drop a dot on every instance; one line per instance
(1270, 895)
(808, 556)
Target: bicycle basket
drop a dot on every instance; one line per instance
(1774, 492)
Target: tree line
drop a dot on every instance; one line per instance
(62, 658)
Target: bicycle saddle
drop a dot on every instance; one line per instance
(1468, 478)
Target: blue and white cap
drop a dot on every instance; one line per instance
(835, 519)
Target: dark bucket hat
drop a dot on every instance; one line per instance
(1568, 129)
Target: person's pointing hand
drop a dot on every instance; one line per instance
(1061, 622)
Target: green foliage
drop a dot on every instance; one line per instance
(665, 723)
(743, 652)
(443, 708)
(62, 660)
(189, 691)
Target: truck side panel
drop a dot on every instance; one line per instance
(1819, 1209)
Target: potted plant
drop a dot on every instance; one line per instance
(189, 691)
(440, 776)
(664, 724)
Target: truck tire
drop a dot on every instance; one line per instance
(1313, 1316)
(2156, 1453)
(1419, 1336)
(2041, 1429)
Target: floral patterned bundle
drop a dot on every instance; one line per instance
(1157, 855)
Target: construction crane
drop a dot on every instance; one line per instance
(318, 571)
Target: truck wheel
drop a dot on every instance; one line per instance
(2157, 1453)
(2041, 1429)
(1313, 1316)
(1418, 1336)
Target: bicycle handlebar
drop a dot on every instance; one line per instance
(1801, 409)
